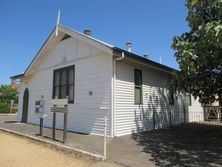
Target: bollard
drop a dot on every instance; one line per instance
(41, 126)
(53, 125)
(65, 128)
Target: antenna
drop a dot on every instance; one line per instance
(57, 22)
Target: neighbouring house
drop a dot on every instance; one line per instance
(15, 81)
(101, 80)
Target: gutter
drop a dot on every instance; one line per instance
(146, 61)
(120, 58)
(114, 90)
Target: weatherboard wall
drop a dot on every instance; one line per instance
(155, 112)
(93, 73)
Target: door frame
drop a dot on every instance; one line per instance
(25, 106)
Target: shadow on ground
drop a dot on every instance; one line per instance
(192, 145)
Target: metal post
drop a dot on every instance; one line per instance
(41, 125)
(219, 110)
(53, 125)
(154, 121)
(11, 105)
(171, 117)
(105, 124)
(65, 128)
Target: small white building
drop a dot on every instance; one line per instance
(101, 80)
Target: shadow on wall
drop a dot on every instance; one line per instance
(185, 145)
(158, 113)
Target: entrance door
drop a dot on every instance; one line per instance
(25, 106)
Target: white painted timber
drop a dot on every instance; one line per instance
(130, 118)
(93, 73)
(196, 113)
(103, 88)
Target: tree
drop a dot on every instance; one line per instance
(7, 93)
(199, 52)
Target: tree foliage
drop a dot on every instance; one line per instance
(199, 52)
(7, 93)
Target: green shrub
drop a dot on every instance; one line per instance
(14, 110)
(4, 108)
(7, 93)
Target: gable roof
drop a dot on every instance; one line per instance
(52, 40)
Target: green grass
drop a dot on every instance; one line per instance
(4, 108)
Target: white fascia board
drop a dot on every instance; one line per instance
(40, 52)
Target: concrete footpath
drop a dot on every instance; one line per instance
(76, 141)
(90, 143)
(191, 144)
(27, 152)
(122, 150)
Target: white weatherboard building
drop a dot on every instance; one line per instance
(100, 80)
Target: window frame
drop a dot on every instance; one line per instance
(140, 86)
(171, 97)
(189, 99)
(67, 85)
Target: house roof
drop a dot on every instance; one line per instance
(86, 36)
(95, 42)
(145, 60)
(17, 76)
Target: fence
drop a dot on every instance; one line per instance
(211, 115)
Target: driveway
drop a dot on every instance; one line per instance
(191, 145)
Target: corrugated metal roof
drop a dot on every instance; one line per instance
(153, 63)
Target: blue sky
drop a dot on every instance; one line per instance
(149, 24)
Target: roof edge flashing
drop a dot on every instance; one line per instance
(144, 60)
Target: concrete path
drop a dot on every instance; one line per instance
(190, 145)
(122, 150)
(18, 151)
(90, 143)
(126, 151)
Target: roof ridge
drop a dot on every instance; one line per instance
(90, 37)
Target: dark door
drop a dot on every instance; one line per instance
(25, 106)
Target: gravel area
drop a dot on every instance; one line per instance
(21, 152)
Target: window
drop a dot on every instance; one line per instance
(171, 97)
(189, 100)
(138, 94)
(63, 83)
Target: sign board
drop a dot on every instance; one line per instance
(59, 105)
(39, 107)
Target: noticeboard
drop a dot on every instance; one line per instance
(39, 107)
(59, 105)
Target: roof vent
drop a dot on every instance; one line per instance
(88, 32)
(129, 46)
(146, 56)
